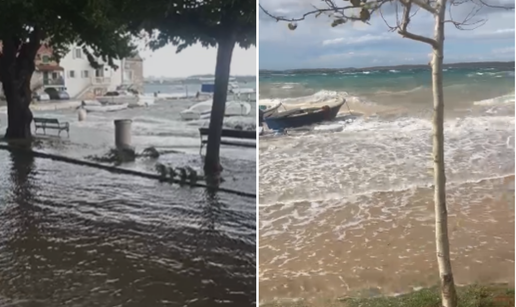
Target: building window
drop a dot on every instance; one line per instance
(99, 73)
(85, 74)
(45, 59)
(128, 75)
(78, 53)
(55, 75)
(71, 73)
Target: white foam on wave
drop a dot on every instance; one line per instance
(500, 100)
(319, 97)
(374, 155)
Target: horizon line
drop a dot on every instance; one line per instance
(388, 66)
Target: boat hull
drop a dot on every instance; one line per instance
(118, 99)
(105, 108)
(301, 117)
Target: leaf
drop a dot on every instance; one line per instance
(338, 22)
(365, 15)
(292, 26)
(355, 3)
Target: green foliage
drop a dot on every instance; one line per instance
(101, 25)
(189, 22)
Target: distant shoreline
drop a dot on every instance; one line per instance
(192, 79)
(415, 66)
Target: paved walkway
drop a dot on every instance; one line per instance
(86, 140)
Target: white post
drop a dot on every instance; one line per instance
(123, 133)
(81, 114)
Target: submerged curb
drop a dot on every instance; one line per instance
(118, 170)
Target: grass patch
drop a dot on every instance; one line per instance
(469, 296)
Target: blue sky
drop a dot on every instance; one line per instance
(315, 44)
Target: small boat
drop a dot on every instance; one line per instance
(126, 94)
(202, 110)
(300, 117)
(105, 107)
(269, 110)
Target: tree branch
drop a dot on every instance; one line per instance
(425, 6)
(405, 22)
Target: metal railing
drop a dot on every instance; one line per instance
(58, 81)
(100, 80)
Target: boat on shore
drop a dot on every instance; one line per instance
(299, 117)
(266, 111)
(202, 110)
(126, 95)
(95, 106)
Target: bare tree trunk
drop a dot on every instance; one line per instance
(448, 292)
(16, 69)
(222, 71)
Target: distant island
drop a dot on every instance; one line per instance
(193, 79)
(400, 67)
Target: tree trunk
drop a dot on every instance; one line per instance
(16, 69)
(448, 292)
(224, 54)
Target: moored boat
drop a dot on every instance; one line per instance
(202, 110)
(300, 117)
(105, 107)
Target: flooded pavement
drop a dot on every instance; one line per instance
(159, 126)
(77, 236)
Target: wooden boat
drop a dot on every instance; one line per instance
(105, 107)
(302, 116)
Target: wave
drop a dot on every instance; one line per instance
(367, 154)
(500, 100)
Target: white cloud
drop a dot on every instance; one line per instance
(505, 50)
(195, 60)
(354, 40)
(316, 44)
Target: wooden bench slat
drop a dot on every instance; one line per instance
(230, 133)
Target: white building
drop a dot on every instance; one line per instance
(83, 81)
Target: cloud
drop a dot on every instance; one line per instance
(315, 44)
(195, 60)
(354, 40)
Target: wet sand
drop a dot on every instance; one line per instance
(385, 242)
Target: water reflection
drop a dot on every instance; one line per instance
(75, 236)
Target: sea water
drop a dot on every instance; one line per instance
(348, 205)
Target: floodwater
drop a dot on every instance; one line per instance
(76, 236)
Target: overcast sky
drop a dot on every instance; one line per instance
(315, 44)
(195, 60)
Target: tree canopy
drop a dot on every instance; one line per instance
(188, 22)
(101, 25)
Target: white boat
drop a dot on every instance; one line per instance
(105, 107)
(269, 110)
(202, 110)
(126, 95)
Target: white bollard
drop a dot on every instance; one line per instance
(123, 133)
(81, 114)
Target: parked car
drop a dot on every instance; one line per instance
(57, 94)
(63, 95)
(42, 97)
